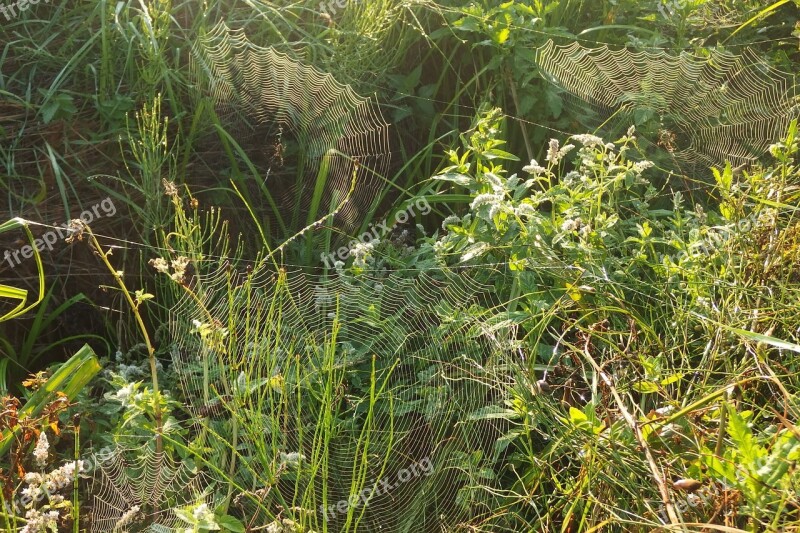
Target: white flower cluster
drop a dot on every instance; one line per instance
(451, 220)
(556, 154)
(361, 253)
(203, 513)
(38, 521)
(485, 199)
(534, 168)
(41, 451)
(179, 266)
(588, 140)
(494, 180)
(47, 485)
(525, 210)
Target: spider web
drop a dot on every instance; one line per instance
(136, 489)
(288, 336)
(264, 94)
(700, 110)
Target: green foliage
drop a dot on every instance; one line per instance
(615, 287)
(69, 379)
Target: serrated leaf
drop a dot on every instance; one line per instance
(750, 453)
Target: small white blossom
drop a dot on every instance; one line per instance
(569, 225)
(201, 511)
(33, 478)
(160, 265)
(525, 210)
(641, 166)
(31, 493)
(495, 181)
(484, 199)
(552, 152)
(567, 148)
(124, 394)
(127, 518)
(534, 168)
(41, 452)
(179, 266)
(588, 139)
(451, 220)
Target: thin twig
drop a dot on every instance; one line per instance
(662, 486)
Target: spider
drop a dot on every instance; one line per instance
(666, 140)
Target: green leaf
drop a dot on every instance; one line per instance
(724, 179)
(229, 523)
(475, 250)
(554, 103)
(494, 153)
(459, 179)
(516, 264)
(757, 337)
(669, 380)
(493, 412)
(22, 294)
(58, 106)
(185, 515)
(70, 378)
(645, 387)
(577, 417)
(749, 450)
(501, 36)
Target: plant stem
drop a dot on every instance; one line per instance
(157, 415)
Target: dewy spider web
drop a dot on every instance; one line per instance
(365, 390)
(136, 489)
(701, 110)
(255, 87)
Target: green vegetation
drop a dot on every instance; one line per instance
(410, 265)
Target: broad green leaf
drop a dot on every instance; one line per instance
(229, 523)
(459, 179)
(70, 378)
(673, 378)
(577, 417)
(495, 153)
(645, 387)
